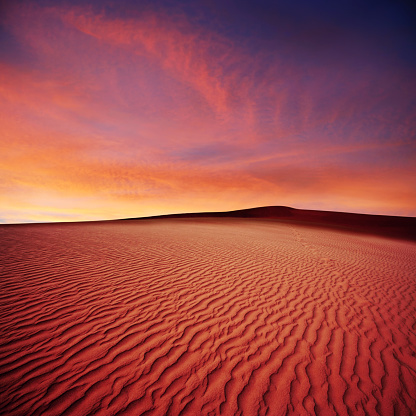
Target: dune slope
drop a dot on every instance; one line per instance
(205, 316)
(383, 225)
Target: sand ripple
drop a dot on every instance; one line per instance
(205, 316)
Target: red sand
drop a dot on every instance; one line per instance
(205, 316)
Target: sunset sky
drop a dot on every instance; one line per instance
(113, 109)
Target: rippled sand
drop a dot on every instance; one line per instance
(205, 316)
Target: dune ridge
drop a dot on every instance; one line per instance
(186, 316)
(384, 225)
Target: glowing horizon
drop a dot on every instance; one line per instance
(127, 111)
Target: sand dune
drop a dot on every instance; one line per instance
(384, 225)
(205, 316)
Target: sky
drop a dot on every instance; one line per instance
(115, 109)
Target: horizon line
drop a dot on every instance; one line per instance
(212, 213)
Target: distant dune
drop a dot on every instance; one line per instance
(267, 311)
(392, 226)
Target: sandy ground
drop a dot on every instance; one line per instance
(205, 316)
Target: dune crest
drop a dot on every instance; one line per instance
(383, 225)
(205, 316)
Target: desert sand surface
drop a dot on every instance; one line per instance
(210, 316)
